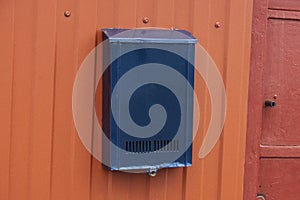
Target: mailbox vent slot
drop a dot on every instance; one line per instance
(145, 146)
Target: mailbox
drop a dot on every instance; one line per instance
(147, 99)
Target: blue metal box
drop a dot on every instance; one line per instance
(147, 98)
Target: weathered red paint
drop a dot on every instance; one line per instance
(281, 77)
(256, 100)
(284, 5)
(272, 164)
(279, 179)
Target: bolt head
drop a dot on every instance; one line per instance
(217, 24)
(145, 20)
(67, 13)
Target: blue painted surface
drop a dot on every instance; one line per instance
(155, 46)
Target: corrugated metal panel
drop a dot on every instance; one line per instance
(41, 156)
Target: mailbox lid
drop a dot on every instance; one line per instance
(149, 36)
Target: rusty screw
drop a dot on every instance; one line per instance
(67, 13)
(275, 96)
(217, 24)
(145, 20)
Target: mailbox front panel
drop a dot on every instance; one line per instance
(147, 87)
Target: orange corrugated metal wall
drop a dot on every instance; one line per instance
(41, 156)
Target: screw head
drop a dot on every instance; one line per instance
(67, 13)
(145, 20)
(260, 197)
(275, 96)
(152, 173)
(217, 24)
